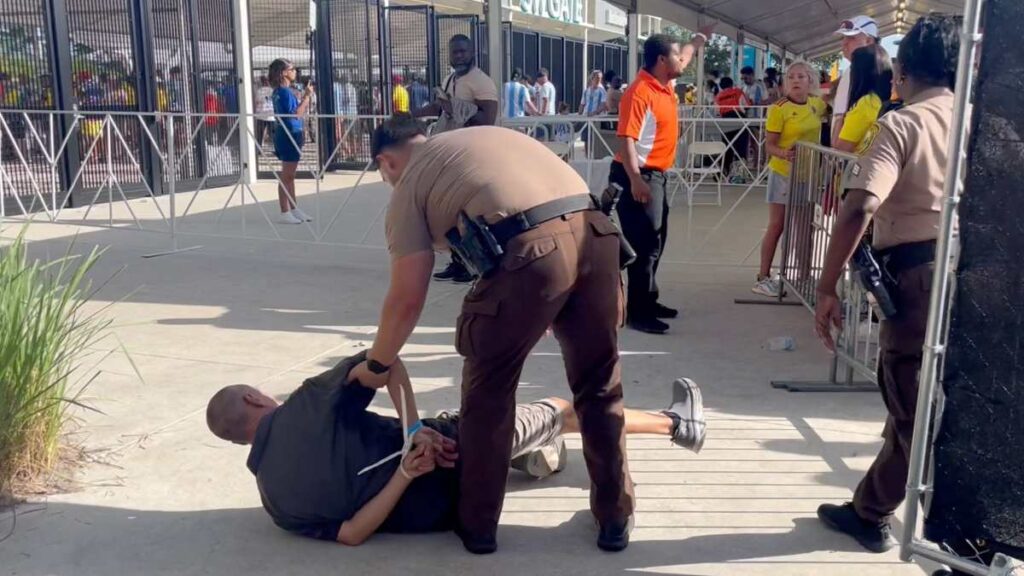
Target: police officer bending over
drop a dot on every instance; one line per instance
(546, 259)
(899, 182)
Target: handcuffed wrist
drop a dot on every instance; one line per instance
(416, 427)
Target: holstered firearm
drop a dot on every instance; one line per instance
(875, 279)
(607, 202)
(479, 250)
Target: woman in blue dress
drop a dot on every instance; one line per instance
(289, 110)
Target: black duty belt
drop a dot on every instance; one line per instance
(512, 226)
(903, 257)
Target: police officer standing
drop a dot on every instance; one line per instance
(558, 266)
(898, 181)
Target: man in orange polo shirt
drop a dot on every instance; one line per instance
(649, 131)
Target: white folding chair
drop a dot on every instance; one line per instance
(694, 172)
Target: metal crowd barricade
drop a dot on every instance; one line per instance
(816, 185)
(141, 171)
(184, 174)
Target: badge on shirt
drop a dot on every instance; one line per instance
(869, 139)
(855, 170)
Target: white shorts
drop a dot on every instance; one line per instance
(778, 188)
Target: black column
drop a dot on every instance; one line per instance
(979, 463)
(63, 91)
(324, 65)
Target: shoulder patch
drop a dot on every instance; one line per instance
(869, 138)
(781, 101)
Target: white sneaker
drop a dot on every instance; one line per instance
(543, 461)
(767, 287)
(288, 218)
(301, 215)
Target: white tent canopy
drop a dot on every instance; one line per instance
(799, 26)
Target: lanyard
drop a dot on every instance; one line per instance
(407, 435)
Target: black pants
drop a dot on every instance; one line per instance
(646, 228)
(737, 143)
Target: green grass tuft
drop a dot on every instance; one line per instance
(45, 334)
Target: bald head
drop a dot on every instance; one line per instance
(234, 412)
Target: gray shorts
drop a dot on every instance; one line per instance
(778, 188)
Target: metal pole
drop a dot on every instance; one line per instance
(110, 173)
(53, 167)
(243, 73)
(495, 47)
(585, 67)
(934, 346)
(633, 41)
(3, 179)
(172, 176)
(700, 73)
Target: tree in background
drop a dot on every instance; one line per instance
(717, 53)
(827, 61)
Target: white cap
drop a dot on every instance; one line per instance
(859, 25)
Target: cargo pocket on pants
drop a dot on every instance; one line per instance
(603, 226)
(468, 330)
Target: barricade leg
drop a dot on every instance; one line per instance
(170, 164)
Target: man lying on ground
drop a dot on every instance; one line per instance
(321, 459)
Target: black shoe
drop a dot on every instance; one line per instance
(648, 325)
(874, 537)
(689, 428)
(614, 537)
(664, 312)
(477, 544)
(464, 277)
(450, 271)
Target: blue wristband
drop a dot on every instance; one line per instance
(415, 427)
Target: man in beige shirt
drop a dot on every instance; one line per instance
(899, 180)
(468, 97)
(559, 269)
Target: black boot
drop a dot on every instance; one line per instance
(614, 536)
(477, 544)
(647, 324)
(875, 537)
(664, 312)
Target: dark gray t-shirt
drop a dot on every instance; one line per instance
(307, 455)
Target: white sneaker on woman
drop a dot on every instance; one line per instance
(289, 218)
(767, 287)
(301, 215)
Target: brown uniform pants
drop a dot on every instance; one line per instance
(884, 487)
(563, 274)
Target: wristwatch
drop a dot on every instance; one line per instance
(376, 367)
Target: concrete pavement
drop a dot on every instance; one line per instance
(164, 496)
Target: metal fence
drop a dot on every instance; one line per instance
(167, 198)
(816, 184)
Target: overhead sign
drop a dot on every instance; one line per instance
(570, 11)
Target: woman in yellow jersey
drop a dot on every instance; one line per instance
(870, 90)
(795, 118)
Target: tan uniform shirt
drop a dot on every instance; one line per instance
(486, 171)
(904, 165)
(475, 85)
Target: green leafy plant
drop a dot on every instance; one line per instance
(45, 335)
